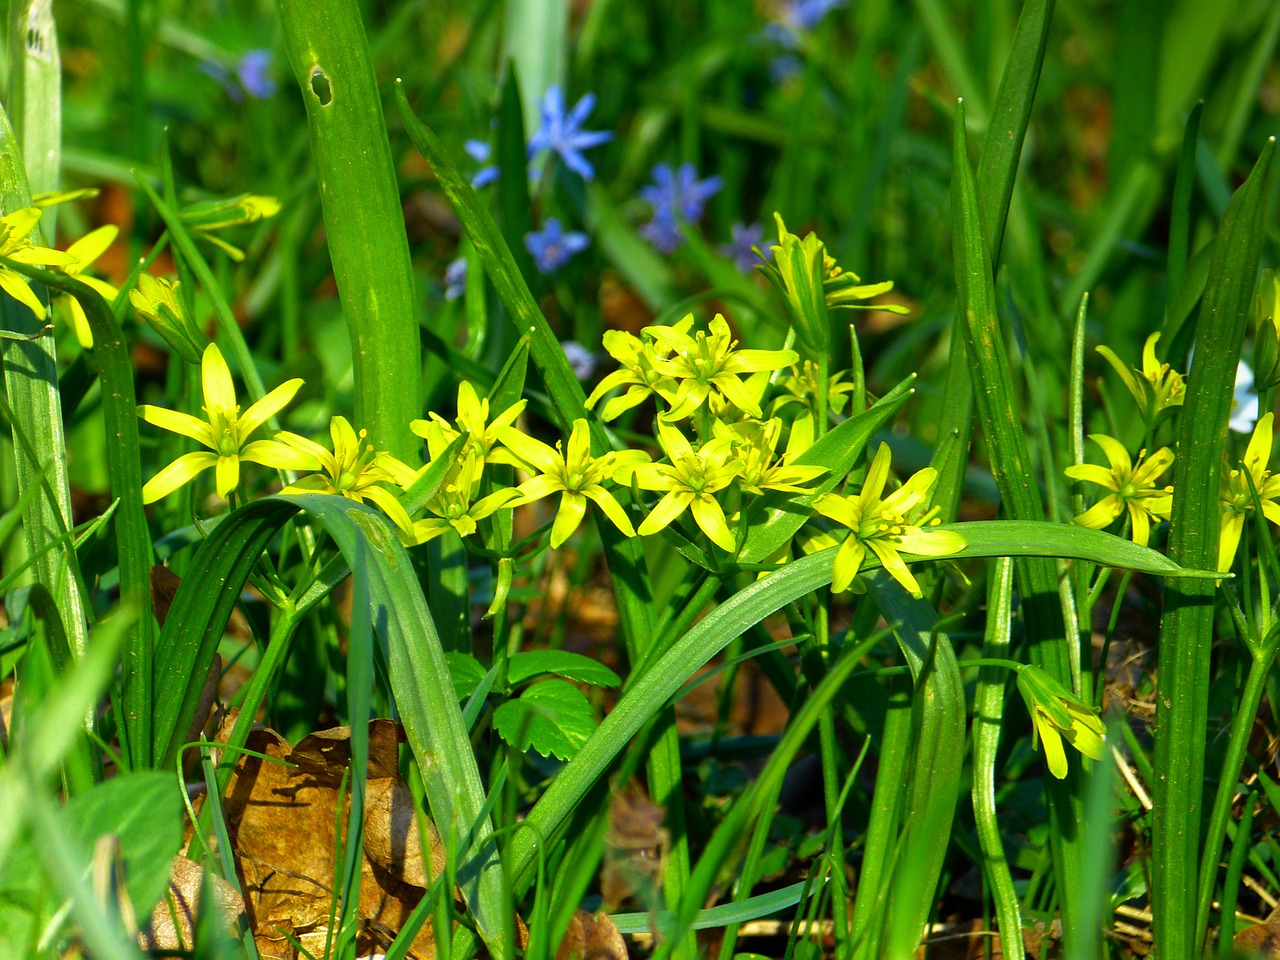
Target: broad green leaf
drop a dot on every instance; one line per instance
(552, 718)
(144, 811)
(1182, 693)
(563, 663)
(364, 223)
(465, 671)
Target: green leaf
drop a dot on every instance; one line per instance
(364, 222)
(563, 663)
(553, 718)
(144, 811)
(465, 671)
(752, 908)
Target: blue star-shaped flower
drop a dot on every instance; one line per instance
(738, 249)
(563, 134)
(455, 279)
(552, 248)
(674, 196)
(479, 151)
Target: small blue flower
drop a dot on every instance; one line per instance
(738, 249)
(675, 196)
(582, 360)
(479, 151)
(563, 134)
(254, 72)
(455, 279)
(553, 248)
(798, 17)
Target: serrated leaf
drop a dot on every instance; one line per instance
(552, 718)
(563, 663)
(465, 671)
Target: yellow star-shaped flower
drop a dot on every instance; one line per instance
(1058, 715)
(887, 526)
(225, 431)
(1236, 497)
(1132, 485)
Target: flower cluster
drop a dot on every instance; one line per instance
(717, 449)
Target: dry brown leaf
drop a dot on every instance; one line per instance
(1259, 940)
(635, 845)
(592, 937)
(173, 920)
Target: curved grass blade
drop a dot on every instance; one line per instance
(124, 473)
(742, 911)
(1182, 693)
(419, 674)
(364, 222)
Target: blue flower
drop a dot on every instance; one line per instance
(254, 72)
(563, 134)
(455, 279)
(552, 248)
(479, 151)
(582, 360)
(739, 249)
(674, 197)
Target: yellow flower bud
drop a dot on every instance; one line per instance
(158, 302)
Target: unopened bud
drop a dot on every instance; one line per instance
(158, 302)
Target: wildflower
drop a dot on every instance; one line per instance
(563, 135)
(886, 525)
(741, 248)
(800, 386)
(762, 470)
(1132, 485)
(1266, 331)
(1156, 389)
(479, 151)
(86, 250)
(225, 431)
(1058, 715)
(15, 244)
(455, 278)
(473, 418)
(802, 16)
(675, 196)
(353, 470)
(1236, 497)
(703, 363)
(208, 216)
(689, 481)
(638, 373)
(582, 360)
(552, 248)
(254, 72)
(157, 301)
(576, 474)
(454, 505)
(1244, 403)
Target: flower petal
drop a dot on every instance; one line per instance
(215, 376)
(181, 471)
(668, 508)
(266, 408)
(280, 456)
(176, 422)
(710, 517)
(573, 507)
(612, 509)
(228, 475)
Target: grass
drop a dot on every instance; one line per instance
(582, 551)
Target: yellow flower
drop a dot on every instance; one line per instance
(689, 481)
(157, 302)
(638, 373)
(1059, 715)
(85, 251)
(886, 525)
(452, 505)
(14, 244)
(353, 470)
(1132, 485)
(711, 361)
(1236, 498)
(473, 418)
(801, 386)
(1156, 389)
(578, 475)
(754, 443)
(225, 431)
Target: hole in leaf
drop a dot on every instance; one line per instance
(320, 87)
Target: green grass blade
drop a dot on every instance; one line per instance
(31, 381)
(35, 97)
(364, 223)
(1010, 113)
(1182, 694)
(998, 411)
(741, 911)
(988, 712)
(1180, 210)
(420, 677)
(536, 33)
